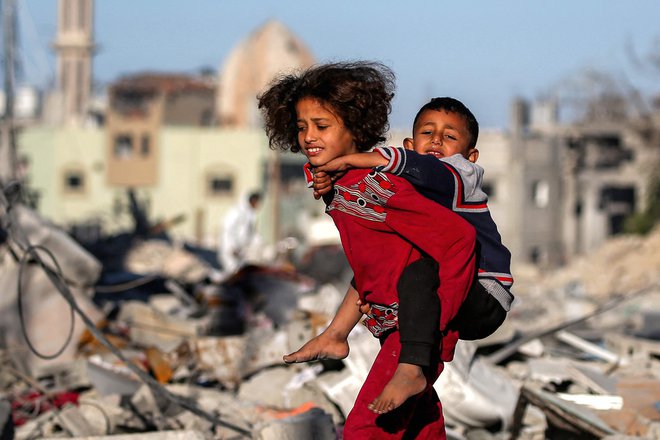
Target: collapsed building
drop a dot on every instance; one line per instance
(142, 342)
(119, 329)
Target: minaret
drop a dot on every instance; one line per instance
(74, 45)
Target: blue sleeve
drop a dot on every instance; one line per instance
(427, 173)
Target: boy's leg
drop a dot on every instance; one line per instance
(421, 415)
(419, 313)
(480, 314)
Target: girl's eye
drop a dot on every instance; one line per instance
(449, 136)
(322, 127)
(301, 128)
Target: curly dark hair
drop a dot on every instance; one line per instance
(359, 92)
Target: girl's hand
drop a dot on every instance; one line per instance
(364, 308)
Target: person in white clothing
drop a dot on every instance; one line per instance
(238, 233)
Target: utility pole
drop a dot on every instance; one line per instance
(8, 158)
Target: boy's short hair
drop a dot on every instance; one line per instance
(453, 106)
(360, 92)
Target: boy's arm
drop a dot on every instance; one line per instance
(357, 160)
(325, 175)
(444, 180)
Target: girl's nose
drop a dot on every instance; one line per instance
(436, 140)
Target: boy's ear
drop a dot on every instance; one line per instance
(408, 143)
(473, 155)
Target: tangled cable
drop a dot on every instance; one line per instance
(57, 279)
(32, 250)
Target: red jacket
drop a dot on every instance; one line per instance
(384, 223)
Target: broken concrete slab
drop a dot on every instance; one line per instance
(287, 388)
(50, 323)
(108, 379)
(312, 424)
(74, 422)
(150, 327)
(77, 265)
(160, 256)
(561, 414)
(159, 435)
(475, 393)
(63, 375)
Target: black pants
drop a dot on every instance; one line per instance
(419, 312)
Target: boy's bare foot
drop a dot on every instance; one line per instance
(407, 381)
(324, 346)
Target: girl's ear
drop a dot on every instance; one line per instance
(408, 143)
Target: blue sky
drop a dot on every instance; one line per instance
(481, 52)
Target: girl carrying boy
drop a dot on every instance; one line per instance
(336, 109)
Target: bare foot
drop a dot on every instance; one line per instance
(407, 381)
(324, 346)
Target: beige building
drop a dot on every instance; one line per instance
(191, 147)
(560, 191)
(198, 175)
(188, 147)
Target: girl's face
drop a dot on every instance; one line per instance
(322, 135)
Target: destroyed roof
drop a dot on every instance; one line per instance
(151, 82)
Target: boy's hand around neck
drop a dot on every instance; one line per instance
(357, 160)
(323, 183)
(326, 175)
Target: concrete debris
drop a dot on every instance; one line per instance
(578, 357)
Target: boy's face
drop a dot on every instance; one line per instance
(442, 134)
(322, 135)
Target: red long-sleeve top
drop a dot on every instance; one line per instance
(384, 223)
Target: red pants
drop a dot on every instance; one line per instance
(420, 417)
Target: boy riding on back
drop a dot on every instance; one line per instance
(443, 129)
(385, 225)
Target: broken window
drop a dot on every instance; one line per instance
(206, 119)
(145, 145)
(123, 146)
(74, 181)
(618, 202)
(535, 254)
(540, 193)
(131, 103)
(219, 185)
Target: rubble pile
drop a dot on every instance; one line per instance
(174, 352)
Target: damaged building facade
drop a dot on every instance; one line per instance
(558, 191)
(135, 338)
(192, 145)
(189, 145)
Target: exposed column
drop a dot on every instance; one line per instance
(74, 46)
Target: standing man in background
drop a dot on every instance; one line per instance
(238, 234)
